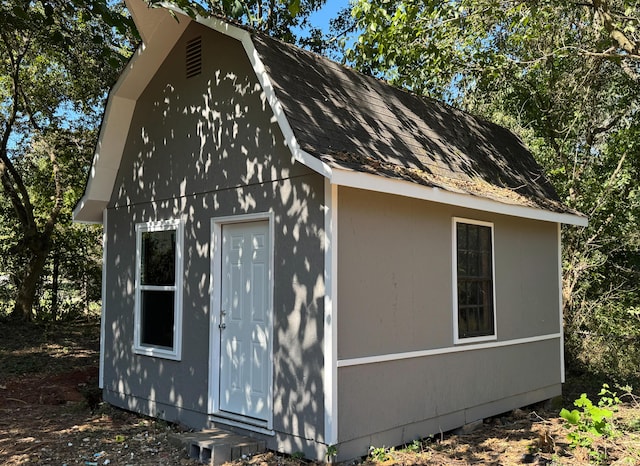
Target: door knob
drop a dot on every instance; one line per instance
(222, 326)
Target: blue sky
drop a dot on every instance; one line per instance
(328, 11)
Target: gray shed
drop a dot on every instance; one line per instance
(300, 252)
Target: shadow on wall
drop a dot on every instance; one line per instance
(197, 149)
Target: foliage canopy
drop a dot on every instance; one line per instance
(57, 59)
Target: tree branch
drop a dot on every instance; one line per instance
(601, 8)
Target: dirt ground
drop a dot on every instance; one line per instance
(51, 414)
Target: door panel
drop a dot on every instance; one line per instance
(245, 348)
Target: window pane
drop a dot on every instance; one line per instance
(472, 233)
(462, 263)
(158, 257)
(473, 269)
(461, 234)
(157, 318)
(485, 239)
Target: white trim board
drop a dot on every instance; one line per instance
(435, 352)
(560, 304)
(404, 188)
(103, 293)
(330, 313)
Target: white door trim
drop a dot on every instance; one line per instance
(215, 293)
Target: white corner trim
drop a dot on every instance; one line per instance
(330, 313)
(103, 292)
(377, 183)
(560, 304)
(439, 351)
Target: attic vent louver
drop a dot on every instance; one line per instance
(194, 57)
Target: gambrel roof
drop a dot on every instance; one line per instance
(355, 130)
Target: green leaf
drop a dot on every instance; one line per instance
(294, 7)
(572, 417)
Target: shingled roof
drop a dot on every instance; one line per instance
(353, 121)
(355, 130)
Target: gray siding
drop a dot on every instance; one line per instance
(395, 295)
(201, 148)
(395, 288)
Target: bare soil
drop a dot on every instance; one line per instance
(51, 414)
(50, 407)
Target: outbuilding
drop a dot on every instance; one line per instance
(306, 254)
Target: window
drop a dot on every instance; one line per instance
(158, 307)
(474, 291)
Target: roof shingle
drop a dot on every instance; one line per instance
(357, 122)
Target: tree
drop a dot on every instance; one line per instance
(565, 75)
(57, 59)
(282, 19)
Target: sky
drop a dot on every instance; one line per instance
(329, 10)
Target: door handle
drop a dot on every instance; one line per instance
(222, 326)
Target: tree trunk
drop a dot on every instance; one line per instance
(27, 284)
(55, 285)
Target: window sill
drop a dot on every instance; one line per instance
(465, 341)
(157, 353)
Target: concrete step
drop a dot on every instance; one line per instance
(217, 446)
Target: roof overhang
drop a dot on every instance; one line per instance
(160, 30)
(354, 179)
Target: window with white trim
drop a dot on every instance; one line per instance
(158, 306)
(474, 302)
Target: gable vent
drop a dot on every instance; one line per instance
(194, 57)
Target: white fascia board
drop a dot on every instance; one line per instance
(298, 154)
(353, 179)
(148, 20)
(120, 107)
(106, 160)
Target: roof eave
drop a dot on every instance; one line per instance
(371, 182)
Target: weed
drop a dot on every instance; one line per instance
(592, 421)
(380, 454)
(332, 452)
(414, 447)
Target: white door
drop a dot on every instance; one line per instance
(245, 346)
